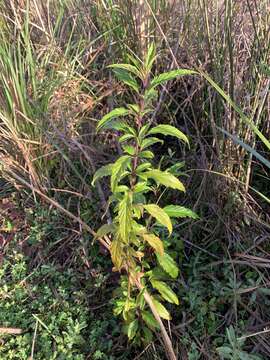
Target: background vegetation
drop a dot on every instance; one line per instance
(56, 283)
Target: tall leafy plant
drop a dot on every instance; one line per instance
(136, 248)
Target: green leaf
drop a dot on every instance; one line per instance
(129, 149)
(134, 108)
(149, 319)
(105, 170)
(136, 61)
(121, 189)
(143, 166)
(162, 311)
(168, 130)
(132, 329)
(143, 131)
(225, 351)
(168, 264)
(150, 57)
(164, 178)
(125, 218)
(141, 187)
(179, 212)
(160, 215)
(130, 68)
(154, 242)
(105, 229)
(248, 148)
(140, 301)
(116, 253)
(149, 142)
(126, 78)
(148, 335)
(125, 137)
(176, 168)
(111, 115)
(226, 97)
(117, 170)
(146, 154)
(160, 79)
(165, 291)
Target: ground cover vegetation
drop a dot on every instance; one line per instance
(134, 173)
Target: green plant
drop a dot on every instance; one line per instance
(233, 350)
(136, 247)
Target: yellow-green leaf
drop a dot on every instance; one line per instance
(164, 178)
(150, 57)
(116, 253)
(117, 170)
(132, 329)
(125, 218)
(149, 319)
(160, 79)
(132, 69)
(168, 130)
(115, 113)
(160, 215)
(165, 291)
(162, 311)
(155, 242)
(105, 170)
(168, 264)
(179, 212)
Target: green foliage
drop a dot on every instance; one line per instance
(233, 349)
(53, 302)
(131, 177)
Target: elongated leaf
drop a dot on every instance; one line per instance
(135, 108)
(132, 69)
(116, 253)
(143, 166)
(160, 79)
(125, 137)
(129, 149)
(132, 329)
(150, 57)
(115, 113)
(125, 218)
(149, 319)
(162, 311)
(148, 335)
(164, 178)
(141, 187)
(168, 264)
(165, 291)
(149, 142)
(160, 215)
(237, 109)
(247, 147)
(146, 154)
(179, 212)
(168, 130)
(143, 130)
(154, 242)
(117, 170)
(105, 170)
(126, 78)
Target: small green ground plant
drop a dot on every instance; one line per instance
(137, 187)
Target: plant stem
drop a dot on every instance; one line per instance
(166, 339)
